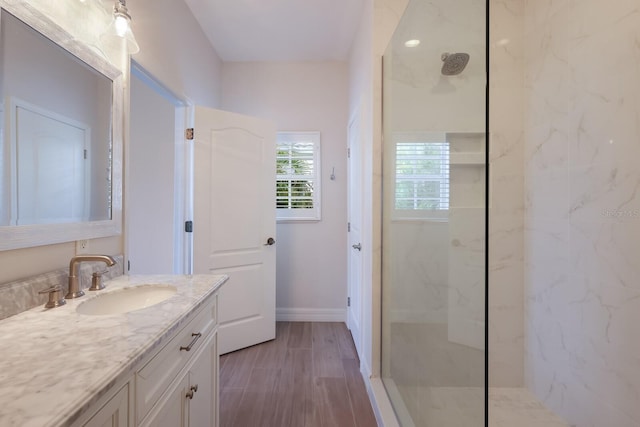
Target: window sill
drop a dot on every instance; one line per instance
(296, 220)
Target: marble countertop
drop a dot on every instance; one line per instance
(56, 363)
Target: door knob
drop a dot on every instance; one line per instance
(358, 246)
(270, 241)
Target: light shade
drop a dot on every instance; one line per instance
(118, 34)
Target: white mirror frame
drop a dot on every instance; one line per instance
(23, 236)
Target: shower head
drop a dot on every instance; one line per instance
(453, 63)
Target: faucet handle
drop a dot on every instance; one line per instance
(55, 296)
(96, 280)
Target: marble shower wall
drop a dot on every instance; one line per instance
(419, 99)
(418, 80)
(582, 211)
(506, 194)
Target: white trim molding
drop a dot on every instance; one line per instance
(285, 314)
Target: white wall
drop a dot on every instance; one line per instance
(582, 209)
(175, 51)
(151, 189)
(168, 35)
(311, 270)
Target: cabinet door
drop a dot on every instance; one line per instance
(203, 377)
(174, 409)
(115, 413)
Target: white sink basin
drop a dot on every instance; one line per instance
(127, 299)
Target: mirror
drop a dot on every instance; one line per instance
(60, 146)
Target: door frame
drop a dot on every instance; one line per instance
(183, 158)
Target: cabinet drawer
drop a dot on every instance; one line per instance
(154, 377)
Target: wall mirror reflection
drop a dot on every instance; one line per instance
(57, 137)
(60, 172)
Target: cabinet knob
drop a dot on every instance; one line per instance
(192, 390)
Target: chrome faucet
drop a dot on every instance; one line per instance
(74, 280)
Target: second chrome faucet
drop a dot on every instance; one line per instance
(74, 279)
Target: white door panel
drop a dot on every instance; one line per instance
(354, 313)
(243, 300)
(234, 215)
(53, 167)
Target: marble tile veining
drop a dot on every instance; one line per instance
(60, 362)
(21, 295)
(582, 209)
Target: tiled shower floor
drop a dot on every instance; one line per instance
(463, 407)
(510, 407)
(439, 383)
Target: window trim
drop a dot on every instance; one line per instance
(284, 215)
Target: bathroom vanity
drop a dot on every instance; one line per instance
(150, 366)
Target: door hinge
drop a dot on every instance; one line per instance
(188, 226)
(189, 134)
(348, 301)
(85, 154)
(128, 265)
(348, 227)
(348, 153)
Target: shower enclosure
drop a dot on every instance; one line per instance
(434, 214)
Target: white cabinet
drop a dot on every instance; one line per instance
(115, 413)
(190, 400)
(172, 409)
(178, 386)
(175, 387)
(203, 382)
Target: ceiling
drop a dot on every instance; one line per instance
(279, 30)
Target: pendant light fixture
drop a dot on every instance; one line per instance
(119, 31)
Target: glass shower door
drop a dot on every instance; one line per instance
(434, 214)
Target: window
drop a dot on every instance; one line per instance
(421, 176)
(298, 176)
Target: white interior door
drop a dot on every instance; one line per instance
(52, 167)
(354, 311)
(234, 221)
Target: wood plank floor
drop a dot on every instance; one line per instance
(309, 376)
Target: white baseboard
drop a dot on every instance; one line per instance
(311, 314)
